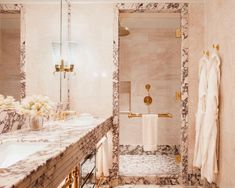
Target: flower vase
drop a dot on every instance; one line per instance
(36, 122)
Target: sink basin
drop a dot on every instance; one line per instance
(12, 152)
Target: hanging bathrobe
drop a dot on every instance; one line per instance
(209, 158)
(202, 91)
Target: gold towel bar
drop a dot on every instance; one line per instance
(166, 115)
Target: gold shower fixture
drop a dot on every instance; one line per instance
(148, 99)
(178, 33)
(123, 30)
(178, 96)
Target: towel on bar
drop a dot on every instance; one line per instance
(150, 131)
(104, 155)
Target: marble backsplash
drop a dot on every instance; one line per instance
(10, 120)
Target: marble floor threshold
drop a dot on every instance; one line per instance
(146, 186)
(156, 186)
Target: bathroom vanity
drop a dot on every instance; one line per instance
(45, 158)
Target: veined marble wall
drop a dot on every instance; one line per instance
(151, 56)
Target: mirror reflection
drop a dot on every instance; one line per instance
(10, 54)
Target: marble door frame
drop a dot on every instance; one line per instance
(18, 9)
(181, 8)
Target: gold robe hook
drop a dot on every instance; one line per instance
(206, 53)
(216, 46)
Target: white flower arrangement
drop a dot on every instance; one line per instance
(8, 103)
(37, 105)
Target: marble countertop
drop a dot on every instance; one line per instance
(66, 143)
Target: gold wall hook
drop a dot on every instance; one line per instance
(178, 96)
(216, 46)
(178, 33)
(206, 53)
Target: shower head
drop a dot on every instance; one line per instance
(123, 31)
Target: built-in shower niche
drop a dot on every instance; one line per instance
(125, 96)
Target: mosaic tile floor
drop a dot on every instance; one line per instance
(147, 165)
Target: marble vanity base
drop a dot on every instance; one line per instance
(148, 180)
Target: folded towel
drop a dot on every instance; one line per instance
(150, 131)
(104, 155)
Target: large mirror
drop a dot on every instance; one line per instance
(150, 104)
(10, 54)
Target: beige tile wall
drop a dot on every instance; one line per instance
(151, 56)
(196, 47)
(220, 28)
(92, 29)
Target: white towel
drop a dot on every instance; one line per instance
(104, 155)
(150, 131)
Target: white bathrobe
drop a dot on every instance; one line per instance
(202, 91)
(209, 158)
